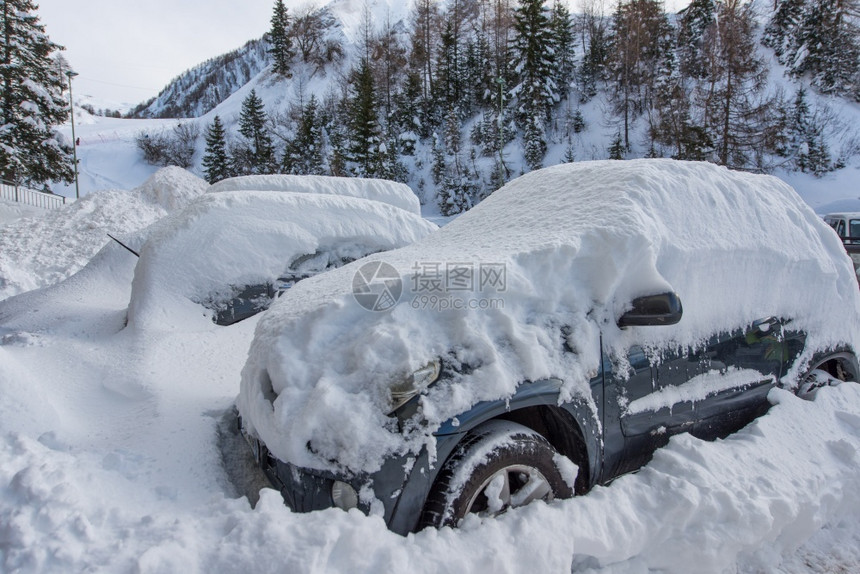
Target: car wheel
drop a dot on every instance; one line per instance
(826, 374)
(498, 466)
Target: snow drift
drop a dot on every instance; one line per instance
(577, 243)
(45, 250)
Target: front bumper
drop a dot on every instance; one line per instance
(302, 491)
(397, 491)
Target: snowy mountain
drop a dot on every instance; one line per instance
(199, 90)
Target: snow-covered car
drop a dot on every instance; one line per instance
(547, 341)
(236, 248)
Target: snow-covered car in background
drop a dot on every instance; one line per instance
(244, 242)
(547, 341)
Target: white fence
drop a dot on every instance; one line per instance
(31, 196)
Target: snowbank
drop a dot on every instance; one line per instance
(40, 251)
(239, 238)
(577, 243)
(12, 210)
(393, 193)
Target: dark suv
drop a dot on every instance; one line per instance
(563, 366)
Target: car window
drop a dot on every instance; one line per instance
(854, 228)
(840, 228)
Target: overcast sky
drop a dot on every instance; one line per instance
(126, 51)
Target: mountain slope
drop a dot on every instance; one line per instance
(201, 89)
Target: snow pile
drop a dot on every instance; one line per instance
(393, 193)
(40, 251)
(172, 188)
(577, 243)
(12, 210)
(239, 238)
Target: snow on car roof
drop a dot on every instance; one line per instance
(565, 250)
(251, 237)
(391, 192)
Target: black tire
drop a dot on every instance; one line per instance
(499, 465)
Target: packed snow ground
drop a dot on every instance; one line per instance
(118, 454)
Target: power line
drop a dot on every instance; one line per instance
(119, 85)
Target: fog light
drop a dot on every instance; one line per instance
(343, 495)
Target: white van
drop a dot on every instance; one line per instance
(847, 226)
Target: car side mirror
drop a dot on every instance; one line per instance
(661, 309)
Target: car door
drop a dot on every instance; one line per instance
(650, 408)
(736, 372)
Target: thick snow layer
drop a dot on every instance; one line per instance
(11, 210)
(239, 238)
(577, 243)
(172, 188)
(393, 193)
(40, 251)
(116, 456)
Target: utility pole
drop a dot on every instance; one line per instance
(71, 75)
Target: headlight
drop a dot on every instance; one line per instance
(414, 385)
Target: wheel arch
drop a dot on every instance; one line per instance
(840, 363)
(571, 428)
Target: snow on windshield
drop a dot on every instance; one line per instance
(393, 193)
(574, 245)
(240, 238)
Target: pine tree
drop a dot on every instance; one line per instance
(828, 47)
(596, 46)
(31, 100)
(304, 153)
(617, 148)
(536, 50)
(562, 31)
(781, 31)
(407, 119)
(695, 19)
(536, 92)
(216, 162)
(281, 42)
(363, 122)
(806, 141)
(450, 70)
(259, 153)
